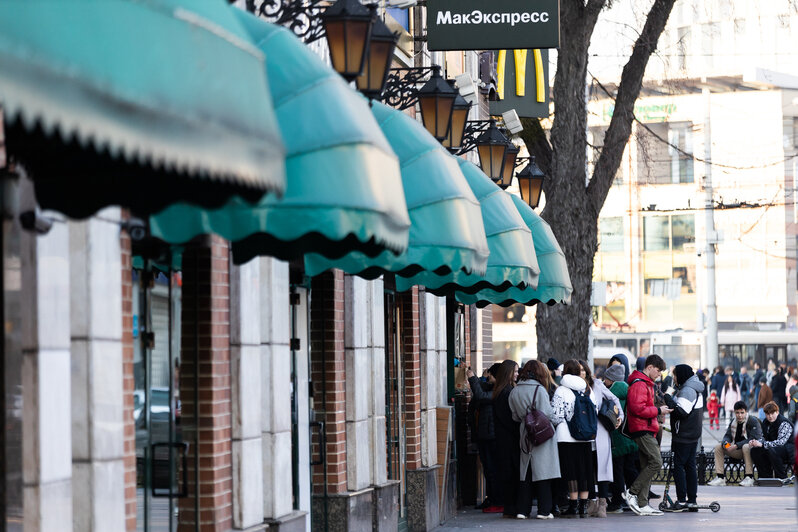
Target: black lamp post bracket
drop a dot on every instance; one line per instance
(300, 16)
(401, 89)
(472, 132)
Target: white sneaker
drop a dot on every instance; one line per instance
(747, 482)
(631, 500)
(717, 481)
(520, 516)
(648, 510)
(545, 516)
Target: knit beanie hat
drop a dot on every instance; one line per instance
(682, 372)
(552, 363)
(615, 373)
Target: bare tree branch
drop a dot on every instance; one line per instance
(534, 137)
(629, 89)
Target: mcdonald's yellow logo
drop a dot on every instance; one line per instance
(519, 60)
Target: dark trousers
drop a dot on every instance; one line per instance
(684, 471)
(527, 489)
(773, 460)
(624, 472)
(487, 450)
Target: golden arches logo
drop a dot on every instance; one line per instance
(519, 59)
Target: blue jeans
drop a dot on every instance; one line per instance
(684, 471)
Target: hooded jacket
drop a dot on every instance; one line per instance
(621, 445)
(620, 357)
(687, 404)
(640, 404)
(562, 405)
(752, 430)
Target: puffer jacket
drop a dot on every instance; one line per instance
(687, 404)
(562, 405)
(621, 445)
(640, 404)
(481, 393)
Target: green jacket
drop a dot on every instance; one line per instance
(621, 445)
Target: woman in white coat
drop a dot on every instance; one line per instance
(598, 393)
(576, 456)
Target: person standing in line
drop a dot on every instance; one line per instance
(643, 427)
(482, 397)
(539, 465)
(729, 396)
(576, 456)
(686, 427)
(603, 454)
(506, 433)
(624, 450)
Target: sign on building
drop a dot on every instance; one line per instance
(522, 83)
(492, 24)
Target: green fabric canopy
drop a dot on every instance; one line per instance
(136, 103)
(446, 229)
(343, 184)
(511, 262)
(554, 283)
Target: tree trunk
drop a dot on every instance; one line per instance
(573, 206)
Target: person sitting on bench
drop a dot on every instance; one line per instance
(776, 448)
(741, 431)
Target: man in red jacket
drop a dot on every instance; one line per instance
(643, 427)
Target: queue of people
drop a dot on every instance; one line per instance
(554, 433)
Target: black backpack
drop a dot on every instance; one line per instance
(584, 423)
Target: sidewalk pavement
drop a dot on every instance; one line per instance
(751, 509)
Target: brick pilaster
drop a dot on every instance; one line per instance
(411, 343)
(327, 366)
(206, 313)
(128, 381)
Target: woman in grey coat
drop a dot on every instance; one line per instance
(541, 463)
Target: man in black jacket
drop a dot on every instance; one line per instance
(686, 418)
(776, 448)
(736, 443)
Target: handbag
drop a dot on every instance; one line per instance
(607, 415)
(537, 425)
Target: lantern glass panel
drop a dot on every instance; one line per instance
(443, 116)
(377, 65)
(509, 167)
(496, 161)
(347, 41)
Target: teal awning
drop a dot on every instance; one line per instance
(136, 103)
(343, 186)
(554, 283)
(511, 262)
(446, 229)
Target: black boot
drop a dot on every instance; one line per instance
(571, 511)
(583, 507)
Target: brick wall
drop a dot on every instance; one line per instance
(327, 367)
(128, 382)
(206, 297)
(411, 342)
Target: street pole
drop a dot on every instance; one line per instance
(711, 327)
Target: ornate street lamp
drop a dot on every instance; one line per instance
(436, 99)
(492, 146)
(378, 60)
(454, 140)
(347, 25)
(530, 181)
(509, 166)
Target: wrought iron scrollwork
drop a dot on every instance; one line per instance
(300, 16)
(473, 129)
(401, 91)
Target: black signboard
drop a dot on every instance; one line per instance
(492, 24)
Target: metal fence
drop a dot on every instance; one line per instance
(705, 465)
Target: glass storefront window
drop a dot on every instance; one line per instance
(656, 233)
(683, 230)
